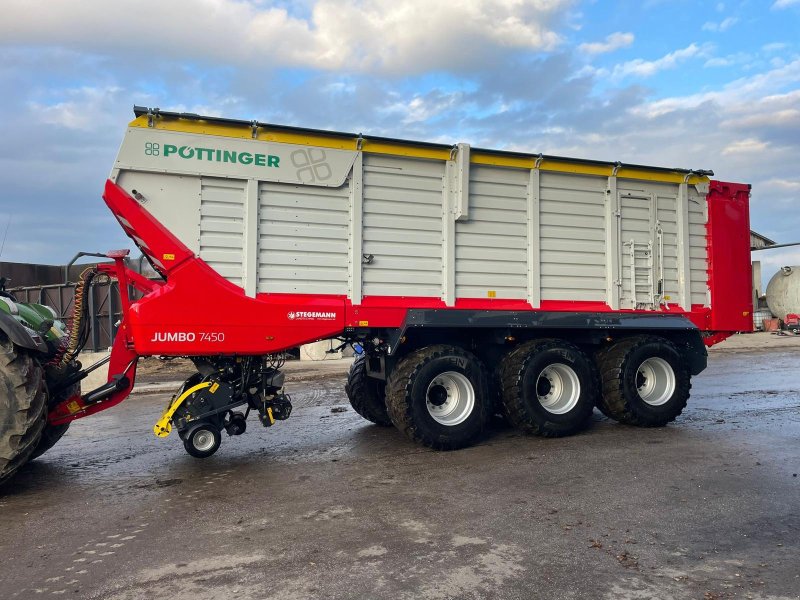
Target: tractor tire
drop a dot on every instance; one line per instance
(53, 433)
(439, 397)
(50, 435)
(645, 381)
(367, 395)
(549, 388)
(23, 407)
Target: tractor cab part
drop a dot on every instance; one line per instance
(34, 379)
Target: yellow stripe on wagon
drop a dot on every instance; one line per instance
(408, 149)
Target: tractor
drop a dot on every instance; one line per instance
(38, 370)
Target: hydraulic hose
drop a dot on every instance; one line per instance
(78, 334)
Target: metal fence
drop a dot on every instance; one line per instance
(103, 302)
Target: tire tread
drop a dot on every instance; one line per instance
(512, 369)
(399, 388)
(612, 401)
(364, 400)
(24, 404)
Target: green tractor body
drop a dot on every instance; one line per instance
(34, 375)
(40, 322)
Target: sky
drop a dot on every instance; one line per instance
(674, 83)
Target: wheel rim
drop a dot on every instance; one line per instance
(450, 398)
(655, 381)
(203, 440)
(558, 388)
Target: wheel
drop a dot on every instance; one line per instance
(201, 440)
(367, 395)
(549, 388)
(439, 397)
(645, 381)
(23, 406)
(50, 435)
(53, 433)
(236, 424)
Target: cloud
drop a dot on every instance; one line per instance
(494, 74)
(647, 68)
(723, 25)
(773, 260)
(78, 110)
(369, 36)
(785, 3)
(786, 184)
(615, 41)
(743, 92)
(426, 108)
(719, 61)
(747, 146)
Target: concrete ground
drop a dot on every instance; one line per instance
(326, 505)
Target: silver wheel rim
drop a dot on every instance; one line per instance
(655, 381)
(450, 398)
(558, 388)
(203, 440)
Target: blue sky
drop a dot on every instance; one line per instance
(672, 83)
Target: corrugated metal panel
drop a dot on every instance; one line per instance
(572, 232)
(698, 251)
(402, 226)
(222, 226)
(173, 200)
(637, 241)
(667, 218)
(491, 245)
(303, 239)
(647, 208)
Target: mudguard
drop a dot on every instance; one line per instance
(21, 335)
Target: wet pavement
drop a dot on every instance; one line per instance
(326, 505)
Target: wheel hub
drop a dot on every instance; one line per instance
(558, 388)
(437, 395)
(203, 440)
(655, 381)
(450, 398)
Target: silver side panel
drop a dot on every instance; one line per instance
(402, 226)
(172, 199)
(303, 239)
(572, 237)
(490, 246)
(378, 225)
(222, 211)
(698, 252)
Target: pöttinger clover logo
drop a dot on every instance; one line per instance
(311, 165)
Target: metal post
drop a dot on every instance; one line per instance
(111, 289)
(93, 319)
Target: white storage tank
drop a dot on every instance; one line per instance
(783, 292)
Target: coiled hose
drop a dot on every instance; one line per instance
(78, 334)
